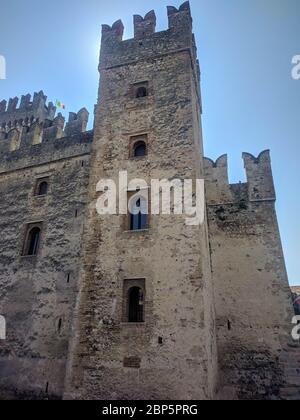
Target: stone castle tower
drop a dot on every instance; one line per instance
(107, 307)
(172, 354)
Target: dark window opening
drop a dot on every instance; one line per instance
(136, 305)
(33, 241)
(68, 278)
(139, 221)
(59, 325)
(229, 325)
(43, 188)
(160, 340)
(140, 149)
(138, 146)
(141, 92)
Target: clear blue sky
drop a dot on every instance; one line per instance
(250, 100)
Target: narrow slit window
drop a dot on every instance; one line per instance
(59, 325)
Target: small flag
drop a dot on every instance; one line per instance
(60, 105)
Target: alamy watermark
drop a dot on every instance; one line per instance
(296, 329)
(2, 328)
(296, 67)
(166, 197)
(2, 68)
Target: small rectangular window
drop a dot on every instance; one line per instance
(138, 147)
(141, 90)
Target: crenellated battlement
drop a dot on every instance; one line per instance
(259, 176)
(29, 110)
(144, 26)
(114, 32)
(21, 139)
(147, 42)
(181, 17)
(217, 180)
(260, 185)
(77, 122)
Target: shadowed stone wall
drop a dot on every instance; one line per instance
(38, 293)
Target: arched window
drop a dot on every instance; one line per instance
(139, 214)
(33, 241)
(140, 149)
(43, 188)
(135, 305)
(141, 92)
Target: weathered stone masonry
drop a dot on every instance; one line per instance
(171, 258)
(252, 295)
(217, 303)
(37, 294)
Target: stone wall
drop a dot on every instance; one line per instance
(38, 293)
(252, 295)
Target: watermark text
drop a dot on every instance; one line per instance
(179, 197)
(296, 329)
(2, 328)
(296, 67)
(2, 68)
